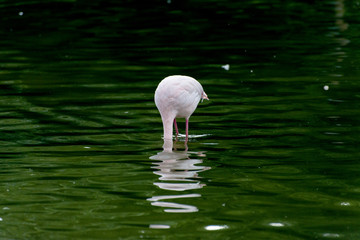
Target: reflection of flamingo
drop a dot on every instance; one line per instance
(174, 207)
(178, 172)
(177, 96)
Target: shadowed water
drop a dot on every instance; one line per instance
(273, 154)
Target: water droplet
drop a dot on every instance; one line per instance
(21, 13)
(226, 67)
(326, 87)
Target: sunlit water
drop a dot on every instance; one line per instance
(274, 154)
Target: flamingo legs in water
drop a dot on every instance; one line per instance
(176, 128)
(186, 129)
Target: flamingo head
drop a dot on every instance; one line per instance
(204, 96)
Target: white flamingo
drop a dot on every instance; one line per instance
(177, 97)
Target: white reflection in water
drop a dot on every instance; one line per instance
(216, 227)
(331, 235)
(159, 226)
(174, 207)
(177, 172)
(277, 224)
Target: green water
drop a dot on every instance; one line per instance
(274, 154)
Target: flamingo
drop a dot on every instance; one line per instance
(177, 96)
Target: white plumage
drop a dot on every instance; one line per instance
(177, 97)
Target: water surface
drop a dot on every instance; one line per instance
(272, 155)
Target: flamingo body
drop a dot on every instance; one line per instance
(177, 97)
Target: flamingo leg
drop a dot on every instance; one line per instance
(176, 128)
(187, 129)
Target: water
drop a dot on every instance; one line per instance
(272, 155)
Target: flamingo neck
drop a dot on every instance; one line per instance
(168, 128)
